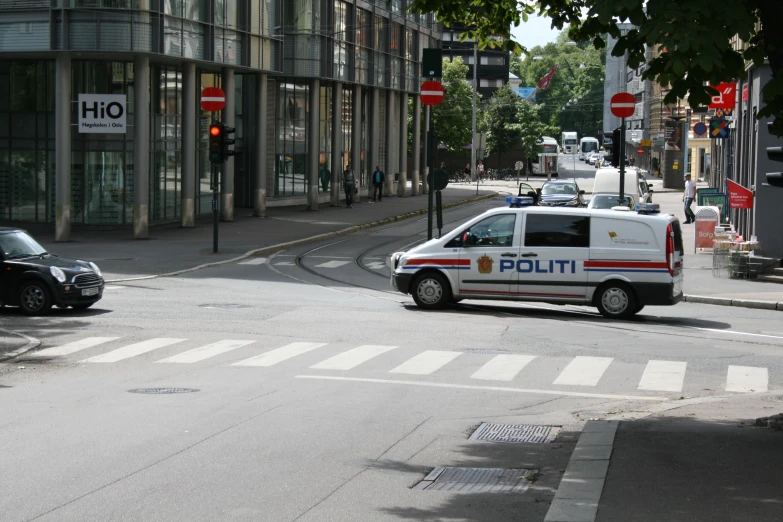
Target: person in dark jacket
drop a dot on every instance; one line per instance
(377, 183)
(349, 183)
(325, 176)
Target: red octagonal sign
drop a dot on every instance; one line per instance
(213, 99)
(623, 104)
(431, 93)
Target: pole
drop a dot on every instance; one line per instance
(473, 143)
(215, 217)
(431, 180)
(621, 197)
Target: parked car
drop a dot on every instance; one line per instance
(34, 280)
(608, 201)
(561, 193)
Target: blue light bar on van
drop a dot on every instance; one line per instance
(520, 201)
(648, 208)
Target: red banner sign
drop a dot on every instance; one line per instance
(726, 97)
(739, 196)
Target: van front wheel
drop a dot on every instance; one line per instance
(616, 300)
(431, 291)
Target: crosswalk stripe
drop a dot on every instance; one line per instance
(747, 379)
(279, 355)
(253, 261)
(663, 376)
(67, 349)
(584, 371)
(132, 350)
(353, 358)
(205, 352)
(332, 264)
(376, 265)
(426, 362)
(502, 367)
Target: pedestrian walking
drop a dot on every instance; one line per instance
(480, 171)
(466, 173)
(688, 196)
(377, 183)
(349, 184)
(325, 177)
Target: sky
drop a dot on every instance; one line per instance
(536, 31)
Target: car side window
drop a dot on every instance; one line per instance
(494, 231)
(557, 230)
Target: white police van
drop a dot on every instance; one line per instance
(617, 260)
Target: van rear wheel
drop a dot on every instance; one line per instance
(616, 300)
(431, 291)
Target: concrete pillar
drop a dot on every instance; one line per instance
(227, 178)
(189, 141)
(402, 188)
(337, 144)
(388, 187)
(62, 223)
(416, 145)
(425, 188)
(259, 196)
(313, 141)
(356, 138)
(373, 129)
(141, 148)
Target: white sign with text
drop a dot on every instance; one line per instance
(102, 113)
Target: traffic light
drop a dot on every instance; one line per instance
(775, 154)
(227, 142)
(617, 145)
(216, 143)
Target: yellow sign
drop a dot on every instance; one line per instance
(645, 143)
(676, 165)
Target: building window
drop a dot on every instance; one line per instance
(493, 60)
(291, 143)
(165, 142)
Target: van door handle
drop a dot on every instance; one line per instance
(530, 254)
(508, 254)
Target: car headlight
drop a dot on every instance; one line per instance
(96, 269)
(57, 273)
(573, 203)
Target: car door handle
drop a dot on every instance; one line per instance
(530, 254)
(508, 254)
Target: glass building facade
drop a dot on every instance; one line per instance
(338, 52)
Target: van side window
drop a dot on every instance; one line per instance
(557, 230)
(494, 231)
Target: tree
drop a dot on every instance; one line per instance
(696, 35)
(452, 118)
(499, 121)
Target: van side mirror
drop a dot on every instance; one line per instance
(581, 192)
(649, 186)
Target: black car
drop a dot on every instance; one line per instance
(561, 193)
(34, 279)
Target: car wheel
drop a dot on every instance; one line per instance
(82, 306)
(34, 298)
(431, 291)
(616, 300)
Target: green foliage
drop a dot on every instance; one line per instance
(695, 34)
(452, 118)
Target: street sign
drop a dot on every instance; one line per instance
(726, 98)
(431, 93)
(700, 129)
(645, 143)
(213, 99)
(518, 165)
(719, 128)
(623, 104)
(640, 150)
(739, 196)
(441, 179)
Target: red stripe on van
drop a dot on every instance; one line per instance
(625, 264)
(459, 262)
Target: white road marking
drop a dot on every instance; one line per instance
(67, 349)
(132, 350)
(747, 379)
(503, 367)
(735, 332)
(205, 352)
(284, 263)
(486, 388)
(353, 358)
(279, 354)
(254, 261)
(426, 362)
(376, 265)
(332, 264)
(113, 287)
(663, 376)
(584, 371)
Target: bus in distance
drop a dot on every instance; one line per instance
(569, 142)
(586, 147)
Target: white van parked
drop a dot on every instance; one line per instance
(618, 261)
(607, 180)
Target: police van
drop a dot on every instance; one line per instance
(617, 260)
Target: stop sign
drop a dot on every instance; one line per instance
(431, 93)
(640, 151)
(213, 99)
(623, 104)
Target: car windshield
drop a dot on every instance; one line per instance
(558, 189)
(607, 201)
(19, 244)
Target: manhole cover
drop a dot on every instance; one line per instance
(163, 391)
(481, 351)
(478, 480)
(225, 306)
(515, 433)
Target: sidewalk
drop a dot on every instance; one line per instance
(173, 249)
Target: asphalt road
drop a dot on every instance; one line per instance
(317, 393)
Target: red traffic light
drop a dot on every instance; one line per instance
(214, 130)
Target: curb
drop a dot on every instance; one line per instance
(281, 246)
(32, 343)
(728, 301)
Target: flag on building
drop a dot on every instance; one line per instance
(546, 80)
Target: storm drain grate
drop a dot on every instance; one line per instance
(482, 351)
(515, 433)
(226, 306)
(163, 391)
(478, 480)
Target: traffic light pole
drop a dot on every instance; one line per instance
(430, 176)
(215, 184)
